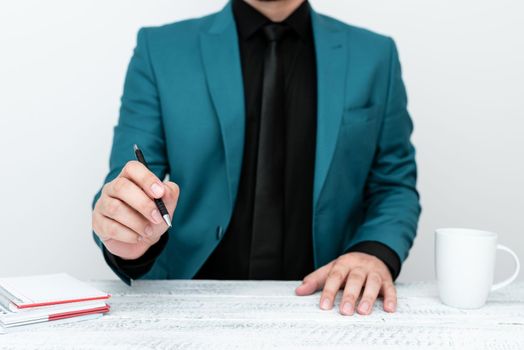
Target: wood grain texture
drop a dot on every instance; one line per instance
(268, 315)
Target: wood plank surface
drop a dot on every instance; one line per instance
(267, 315)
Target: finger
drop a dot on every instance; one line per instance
(171, 196)
(127, 251)
(314, 281)
(128, 192)
(119, 211)
(373, 285)
(143, 178)
(336, 278)
(109, 229)
(390, 296)
(354, 284)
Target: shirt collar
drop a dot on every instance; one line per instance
(249, 20)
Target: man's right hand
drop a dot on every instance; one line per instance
(125, 216)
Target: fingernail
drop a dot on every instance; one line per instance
(326, 304)
(347, 309)
(148, 231)
(158, 191)
(364, 306)
(391, 306)
(157, 218)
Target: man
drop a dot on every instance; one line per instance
(288, 134)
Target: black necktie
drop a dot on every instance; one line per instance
(268, 212)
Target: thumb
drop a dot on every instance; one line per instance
(314, 281)
(171, 196)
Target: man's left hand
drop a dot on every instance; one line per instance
(354, 272)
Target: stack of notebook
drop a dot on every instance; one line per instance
(36, 299)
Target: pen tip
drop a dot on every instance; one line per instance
(135, 147)
(167, 219)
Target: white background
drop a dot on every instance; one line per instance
(62, 65)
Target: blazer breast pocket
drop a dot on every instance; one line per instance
(361, 114)
(358, 135)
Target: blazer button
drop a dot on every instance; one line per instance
(220, 232)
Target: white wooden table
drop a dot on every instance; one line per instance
(267, 315)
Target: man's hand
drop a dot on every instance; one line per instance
(355, 273)
(125, 216)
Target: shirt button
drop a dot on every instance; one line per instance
(220, 232)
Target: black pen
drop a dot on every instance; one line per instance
(159, 203)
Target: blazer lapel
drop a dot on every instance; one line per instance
(220, 54)
(331, 55)
(221, 57)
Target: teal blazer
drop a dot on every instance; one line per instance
(183, 103)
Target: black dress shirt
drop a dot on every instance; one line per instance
(231, 258)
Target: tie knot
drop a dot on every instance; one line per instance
(275, 31)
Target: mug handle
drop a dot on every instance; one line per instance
(515, 274)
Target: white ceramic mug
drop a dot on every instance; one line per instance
(465, 263)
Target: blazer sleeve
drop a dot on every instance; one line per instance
(140, 122)
(391, 200)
